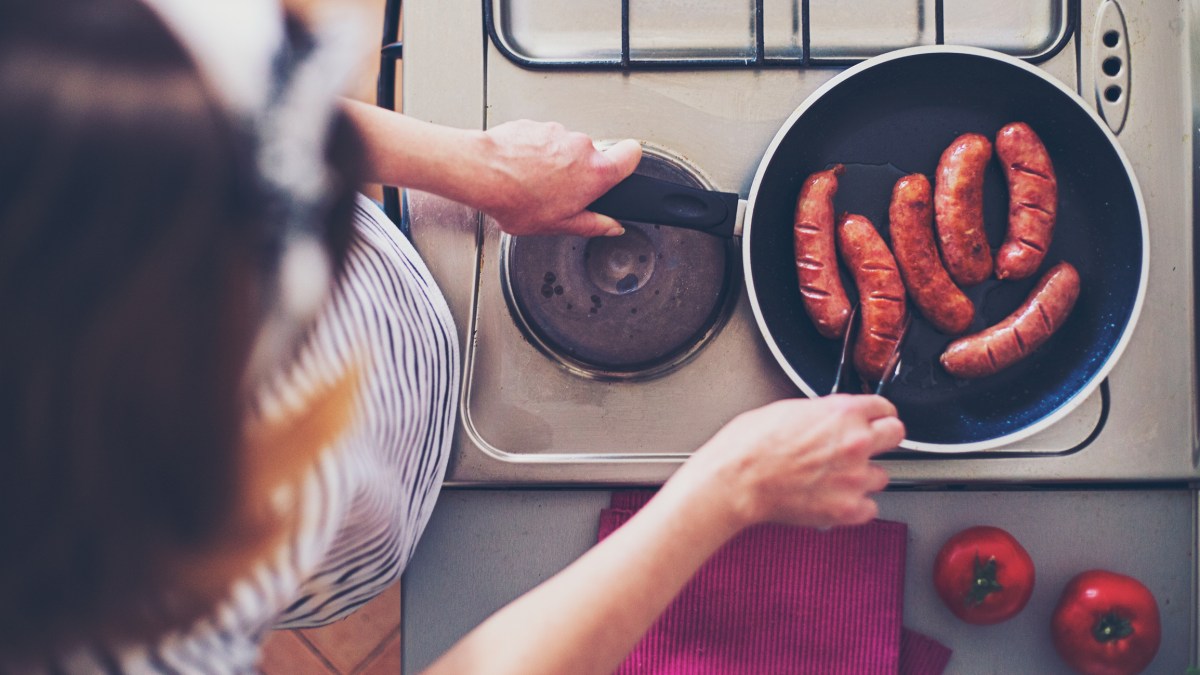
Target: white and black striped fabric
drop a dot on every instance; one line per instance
(369, 498)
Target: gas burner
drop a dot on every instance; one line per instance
(627, 307)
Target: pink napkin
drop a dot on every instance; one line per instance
(921, 655)
(780, 599)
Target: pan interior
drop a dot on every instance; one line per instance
(896, 118)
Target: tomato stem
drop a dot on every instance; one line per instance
(1111, 626)
(984, 583)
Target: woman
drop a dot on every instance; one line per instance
(203, 440)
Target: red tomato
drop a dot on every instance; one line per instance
(1106, 624)
(983, 575)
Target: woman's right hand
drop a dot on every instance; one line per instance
(798, 461)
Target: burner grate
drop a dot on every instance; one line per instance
(760, 56)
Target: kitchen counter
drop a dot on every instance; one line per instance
(485, 547)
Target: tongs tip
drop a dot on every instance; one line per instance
(891, 367)
(847, 339)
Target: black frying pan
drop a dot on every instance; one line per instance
(893, 115)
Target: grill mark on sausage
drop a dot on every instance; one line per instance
(1045, 317)
(992, 356)
(1020, 340)
(878, 267)
(1032, 244)
(814, 292)
(1035, 207)
(810, 264)
(1024, 168)
(884, 296)
(889, 337)
(807, 227)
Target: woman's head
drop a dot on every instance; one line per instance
(133, 239)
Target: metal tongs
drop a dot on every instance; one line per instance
(890, 369)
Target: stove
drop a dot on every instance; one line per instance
(570, 374)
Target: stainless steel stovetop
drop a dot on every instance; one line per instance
(528, 420)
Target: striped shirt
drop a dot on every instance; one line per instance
(367, 501)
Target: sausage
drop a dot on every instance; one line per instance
(958, 202)
(910, 217)
(1018, 335)
(1032, 201)
(880, 294)
(816, 255)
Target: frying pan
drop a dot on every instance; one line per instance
(893, 115)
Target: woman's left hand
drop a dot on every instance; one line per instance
(530, 177)
(543, 178)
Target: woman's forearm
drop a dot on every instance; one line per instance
(803, 462)
(406, 152)
(531, 177)
(589, 616)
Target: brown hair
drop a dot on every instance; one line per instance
(131, 250)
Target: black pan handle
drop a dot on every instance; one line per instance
(659, 202)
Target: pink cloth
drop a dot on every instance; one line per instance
(922, 655)
(782, 599)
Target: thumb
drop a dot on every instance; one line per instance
(621, 159)
(590, 224)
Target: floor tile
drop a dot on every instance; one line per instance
(349, 642)
(384, 662)
(284, 653)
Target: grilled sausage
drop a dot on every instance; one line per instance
(816, 254)
(1032, 201)
(958, 202)
(1018, 335)
(910, 218)
(880, 294)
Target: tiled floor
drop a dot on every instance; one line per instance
(365, 643)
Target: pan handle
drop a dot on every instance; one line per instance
(649, 200)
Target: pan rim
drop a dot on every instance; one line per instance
(1118, 349)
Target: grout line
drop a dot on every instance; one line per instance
(316, 652)
(394, 633)
(374, 653)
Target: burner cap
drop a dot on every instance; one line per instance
(622, 307)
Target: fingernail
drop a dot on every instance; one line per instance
(615, 232)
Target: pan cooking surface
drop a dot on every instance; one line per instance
(896, 118)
